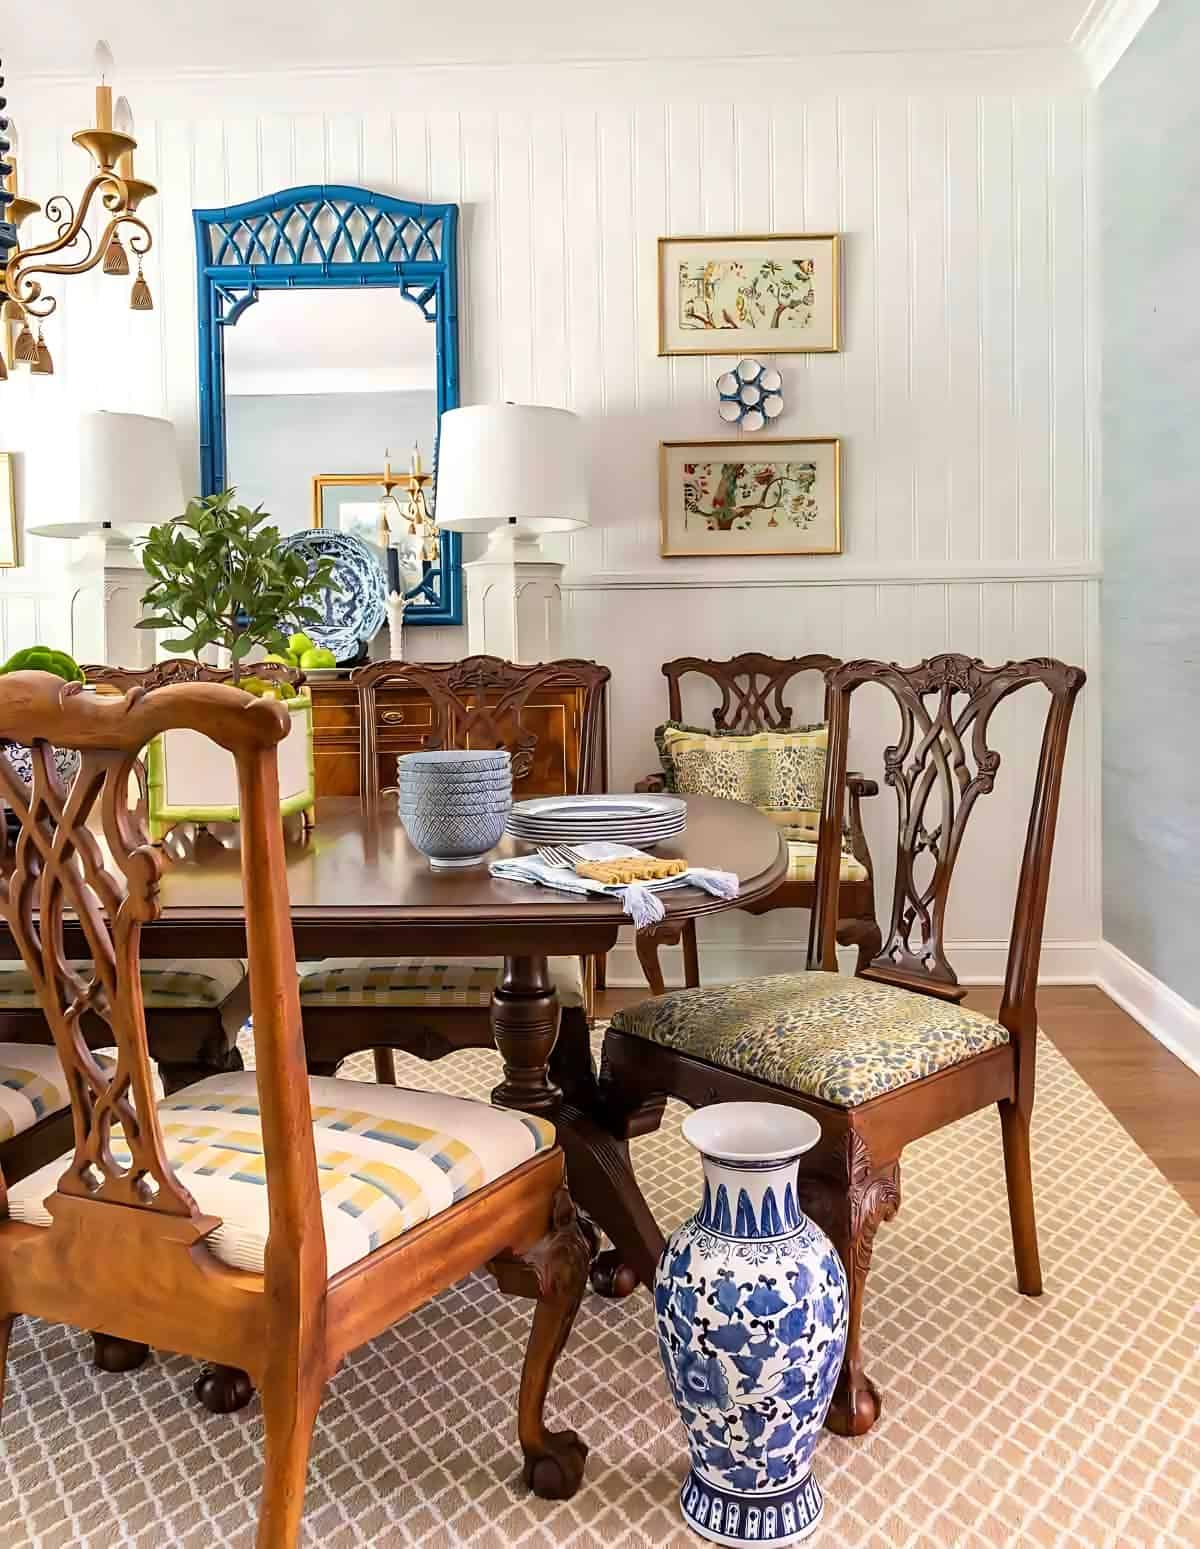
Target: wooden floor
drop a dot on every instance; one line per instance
(1151, 1093)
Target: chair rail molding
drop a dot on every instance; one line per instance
(723, 577)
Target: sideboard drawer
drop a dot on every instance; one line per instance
(405, 719)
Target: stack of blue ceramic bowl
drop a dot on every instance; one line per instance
(454, 804)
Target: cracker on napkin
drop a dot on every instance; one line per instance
(629, 868)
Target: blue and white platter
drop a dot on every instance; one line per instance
(358, 610)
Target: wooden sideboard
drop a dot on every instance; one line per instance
(405, 720)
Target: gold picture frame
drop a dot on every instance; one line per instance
(323, 481)
(802, 500)
(10, 550)
(707, 295)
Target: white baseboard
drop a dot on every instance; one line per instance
(975, 962)
(1174, 1021)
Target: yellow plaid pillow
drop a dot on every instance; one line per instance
(777, 771)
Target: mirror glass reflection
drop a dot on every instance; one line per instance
(322, 388)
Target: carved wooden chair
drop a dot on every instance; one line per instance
(754, 698)
(431, 1008)
(888, 1056)
(201, 1224)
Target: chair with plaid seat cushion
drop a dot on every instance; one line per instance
(35, 1108)
(753, 753)
(267, 1222)
(194, 1009)
(890, 1055)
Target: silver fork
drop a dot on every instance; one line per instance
(561, 856)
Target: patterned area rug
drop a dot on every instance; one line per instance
(1071, 1421)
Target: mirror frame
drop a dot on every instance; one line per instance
(330, 235)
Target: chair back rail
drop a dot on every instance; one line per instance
(753, 688)
(179, 669)
(477, 702)
(57, 862)
(939, 767)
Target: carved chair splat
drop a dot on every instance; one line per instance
(290, 1325)
(754, 691)
(940, 765)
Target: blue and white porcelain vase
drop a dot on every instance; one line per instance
(750, 1298)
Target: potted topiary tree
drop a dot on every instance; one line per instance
(218, 576)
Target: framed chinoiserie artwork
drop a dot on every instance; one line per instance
(775, 294)
(10, 556)
(746, 497)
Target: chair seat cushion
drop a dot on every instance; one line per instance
(802, 863)
(420, 981)
(387, 1159)
(32, 1085)
(842, 1040)
(167, 984)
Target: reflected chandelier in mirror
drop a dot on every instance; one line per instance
(308, 242)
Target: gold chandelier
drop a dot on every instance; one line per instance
(24, 301)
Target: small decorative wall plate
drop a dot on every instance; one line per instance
(750, 394)
(356, 608)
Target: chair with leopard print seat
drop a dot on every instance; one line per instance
(889, 1055)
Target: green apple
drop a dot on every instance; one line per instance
(298, 644)
(280, 661)
(318, 656)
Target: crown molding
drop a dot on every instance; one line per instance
(633, 81)
(1106, 31)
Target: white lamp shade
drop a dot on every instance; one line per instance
(511, 464)
(128, 476)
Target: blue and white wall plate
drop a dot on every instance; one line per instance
(750, 394)
(356, 609)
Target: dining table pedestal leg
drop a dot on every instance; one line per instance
(525, 1026)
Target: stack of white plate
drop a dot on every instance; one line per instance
(634, 820)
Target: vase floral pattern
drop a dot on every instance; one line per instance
(751, 1304)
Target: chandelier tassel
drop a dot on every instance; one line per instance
(25, 349)
(116, 259)
(43, 365)
(140, 299)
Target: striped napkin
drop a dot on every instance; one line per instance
(639, 899)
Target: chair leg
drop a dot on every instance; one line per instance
(554, 1270)
(1014, 1129)
(601, 970)
(110, 1354)
(289, 1414)
(6, 1324)
(223, 1389)
(647, 943)
(851, 1207)
(691, 956)
(385, 1067)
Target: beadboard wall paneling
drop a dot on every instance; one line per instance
(963, 394)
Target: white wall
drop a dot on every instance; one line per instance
(963, 394)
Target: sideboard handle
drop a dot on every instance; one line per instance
(392, 717)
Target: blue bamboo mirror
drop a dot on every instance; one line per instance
(328, 342)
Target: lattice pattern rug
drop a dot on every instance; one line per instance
(1072, 1421)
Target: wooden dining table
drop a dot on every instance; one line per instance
(358, 888)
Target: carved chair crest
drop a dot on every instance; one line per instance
(477, 702)
(753, 687)
(940, 765)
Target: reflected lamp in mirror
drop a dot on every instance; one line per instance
(514, 471)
